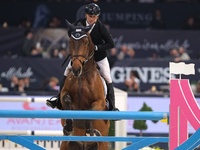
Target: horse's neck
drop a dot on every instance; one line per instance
(89, 65)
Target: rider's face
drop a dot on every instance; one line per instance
(91, 18)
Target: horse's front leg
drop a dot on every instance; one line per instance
(89, 129)
(66, 102)
(98, 105)
(91, 132)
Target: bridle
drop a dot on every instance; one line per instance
(85, 60)
(77, 33)
(78, 37)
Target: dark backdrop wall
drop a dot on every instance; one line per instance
(117, 15)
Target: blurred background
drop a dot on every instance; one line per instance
(148, 34)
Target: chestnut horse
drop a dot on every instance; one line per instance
(83, 90)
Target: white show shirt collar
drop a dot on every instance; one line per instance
(87, 24)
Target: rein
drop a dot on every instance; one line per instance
(86, 59)
(79, 91)
(78, 36)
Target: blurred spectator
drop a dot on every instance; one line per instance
(62, 53)
(8, 54)
(36, 52)
(198, 87)
(173, 54)
(183, 56)
(131, 52)
(154, 56)
(55, 22)
(123, 53)
(52, 84)
(21, 85)
(27, 44)
(54, 53)
(5, 25)
(112, 57)
(25, 23)
(44, 84)
(14, 83)
(189, 25)
(26, 83)
(157, 22)
(133, 83)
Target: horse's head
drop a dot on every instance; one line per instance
(80, 46)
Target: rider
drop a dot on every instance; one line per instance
(103, 41)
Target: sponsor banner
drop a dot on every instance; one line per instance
(157, 104)
(145, 43)
(38, 70)
(28, 123)
(150, 72)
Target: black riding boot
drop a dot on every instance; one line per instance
(111, 97)
(54, 102)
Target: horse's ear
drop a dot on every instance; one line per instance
(69, 25)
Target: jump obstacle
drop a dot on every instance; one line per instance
(137, 143)
(183, 109)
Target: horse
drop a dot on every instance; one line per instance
(83, 90)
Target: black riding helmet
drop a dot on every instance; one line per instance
(92, 9)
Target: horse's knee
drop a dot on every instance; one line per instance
(75, 145)
(91, 146)
(67, 101)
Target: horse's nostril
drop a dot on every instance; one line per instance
(77, 72)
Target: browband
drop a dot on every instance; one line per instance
(78, 34)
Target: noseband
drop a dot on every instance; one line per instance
(85, 60)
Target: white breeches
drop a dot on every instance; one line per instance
(104, 69)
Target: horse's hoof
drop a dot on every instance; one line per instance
(67, 131)
(95, 132)
(89, 132)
